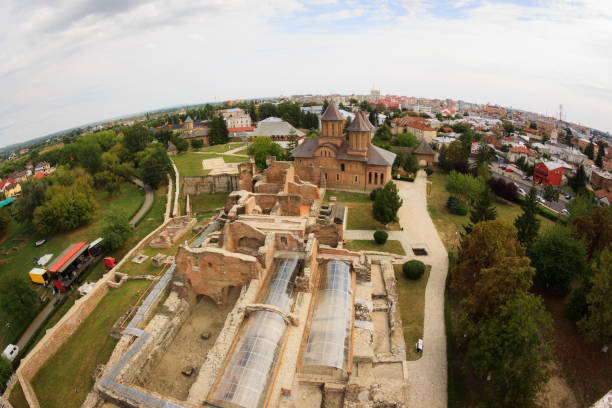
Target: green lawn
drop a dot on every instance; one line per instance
(65, 379)
(17, 398)
(347, 197)
(207, 202)
(19, 263)
(392, 246)
(450, 226)
(411, 296)
(234, 159)
(222, 148)
(241, 151)
(360, 217)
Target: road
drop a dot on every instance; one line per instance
(557, 206)
(25, 337)
(146, 205)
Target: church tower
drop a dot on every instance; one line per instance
(360, 132)
(332, 126)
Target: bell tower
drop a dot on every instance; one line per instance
(332, 126)
(360, 131)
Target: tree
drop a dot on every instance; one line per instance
(325, 105)
(484, 156)
(486, 246)
(457, 156)
(508, 128)
(263, 147)
(5, 219)
(89, 155)
(551, 193)
(6, 371)
(600, 155)
(558, 259)
(116, 230)
(464, 186)
(583, 204)
(181, 144)
(65, 208)
(387, 203)
(597, 324)
(445, 164)
(136, 137)
(578, 182)
(383, 133)
(218, 131)
(17, 299)
(413, 269)
(196, 144)
(163, 136)
(407, 140)
(527, 224)
(589, 150)
(411, 163)
(153, 165)
(381, 237)
(595, 229)
(482, 210)
(533, 125)
(373, 117)
(33, 195)
(513, 347)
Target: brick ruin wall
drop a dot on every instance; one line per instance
(211, 184)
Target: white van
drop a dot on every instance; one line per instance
(11, 352)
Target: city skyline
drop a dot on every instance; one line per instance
(73, 63)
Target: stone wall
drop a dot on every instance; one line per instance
(211, 271)
(219, 183)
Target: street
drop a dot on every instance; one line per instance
(517, 178)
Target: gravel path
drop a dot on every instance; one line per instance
(146, 205)
(427, 377)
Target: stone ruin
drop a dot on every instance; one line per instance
(172, 232)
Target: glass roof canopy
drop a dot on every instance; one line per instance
(248, 371)
(331, 319)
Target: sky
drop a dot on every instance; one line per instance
(66, 63)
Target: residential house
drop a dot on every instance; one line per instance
(548, 173)
(521, 151)
(10, 187)
(42, 167)
(601, 179)
(236, 118)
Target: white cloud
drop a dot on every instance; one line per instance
(71, 64)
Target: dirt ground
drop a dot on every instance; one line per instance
(382, 342)
(556, 392)
(188, 349)
(586, 370)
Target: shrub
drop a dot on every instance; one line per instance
(451, 204)
(407, 178)
(197, 144)
(413, 269)
(428, 171)
(373, 194)
(461, 209)
(381, 237)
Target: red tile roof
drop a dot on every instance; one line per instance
(241, 129)
(522, 149)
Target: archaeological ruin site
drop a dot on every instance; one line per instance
(264, 309)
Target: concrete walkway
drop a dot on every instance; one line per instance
(146, 205)
(427, 377)
(38, 320)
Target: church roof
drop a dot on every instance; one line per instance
(332, 113)
(360, 123)
(423, 148)
(376, 156)
(188, 120)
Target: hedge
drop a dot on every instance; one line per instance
(413, 269)
(381, 237)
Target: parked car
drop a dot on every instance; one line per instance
(568, 197)
(508, 169)
(540, 199)
(564, 211)
(525, 177)
(521, 191)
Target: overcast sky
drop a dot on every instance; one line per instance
(69, 62)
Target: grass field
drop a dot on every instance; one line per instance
(65, 379)
(360, 217)
(450, 226)
(392, 246)
(207, 202)
(50, 148)
(18, 263)
(411, 296)
(347, 197)
(222, 148)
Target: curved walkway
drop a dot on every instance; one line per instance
(427, 377)
(146, 205)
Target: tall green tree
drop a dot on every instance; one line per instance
(600, 155)
(17, 299)
(513, 346)
(384, 133)
(527, 224)
(153, 165)
(387, 203)
(465, 186)
(589, 150)
(33, 195)
(551, 193)
(597, 324)
(579, 181)
(116, 230)
(483, 209)
(558, 258)
(263, 147)
(6, 371)
(218, 131)
(595, 229)
(443, 160)
(410, 163)
(583, 204)
(136, 137)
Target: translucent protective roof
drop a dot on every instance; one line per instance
(247, 373)
(331, 319)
